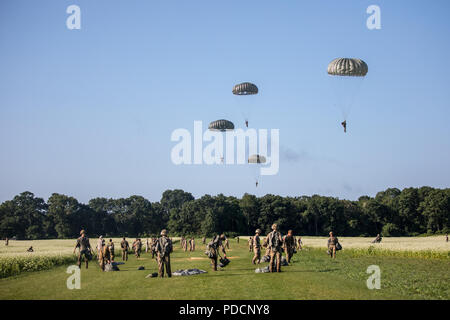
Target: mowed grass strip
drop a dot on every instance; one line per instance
(312, 275)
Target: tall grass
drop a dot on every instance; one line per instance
(11, 266)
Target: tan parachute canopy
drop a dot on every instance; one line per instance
(256, 158)
(348, 67)
(245, 88)
(221, 125)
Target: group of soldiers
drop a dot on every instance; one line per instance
(191, 242)
(274, 245)
(161, 247)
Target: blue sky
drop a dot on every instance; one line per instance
(90, 112)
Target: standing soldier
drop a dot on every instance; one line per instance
(84, 248)
(6, 241)
(266, 245)
(125, 246)
(289, 245)
(213, 249)
(164, 249)
(250, 244)
(332, 241)
(227, 243)
(137, 246)
(237, 239)
(111, 249)
(446, 238)
(275, 243)
(192, 244)
(154, 242)
(185, 244)
(204, 240)
(100, 244)
(257, 247)
(300, 243)
(147, 246)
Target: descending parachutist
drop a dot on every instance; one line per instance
(246, 123)
(344, 124)
(257, 184)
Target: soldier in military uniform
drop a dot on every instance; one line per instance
(289, 245)
(275, 243)
(299, 243)
(237, 239)
(332, 241)
(6, 241)
(111, 249)
(227, 243)
(250, 244)
(100, 244)
(84, 248)
(107, 255)
(266, 246)
(125, 246)
(164, 249)
(204, 240)
(192, 244)
(153, 248)
(213, 249)
(256, 247)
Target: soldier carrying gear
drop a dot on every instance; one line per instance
(164, 249)
(332, 242)
(213, 249)
(344, 124)
(107, 256)
(275, 243)
(289, 245)
(125, 246)
(246, 123)
(256, 247)
(84, 249)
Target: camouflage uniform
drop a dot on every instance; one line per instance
(100, 245)
(84, 250)
(274, 241)
(164, 249)
(332, 241)
(111, 250)
(125, 246)
(289, 246)
(213, 248)
(256, 249)
(250, 244)
(192, 245)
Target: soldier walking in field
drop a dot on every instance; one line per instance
(275, 243)
(125, 246)
(299, 243)
(212, 249)
(164, 249)
(256, 247)
(85, 249)
(250, 244)
(332, 242)
(289, 245)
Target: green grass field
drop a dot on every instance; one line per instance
(312, 275)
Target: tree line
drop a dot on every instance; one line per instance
(409, 212)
